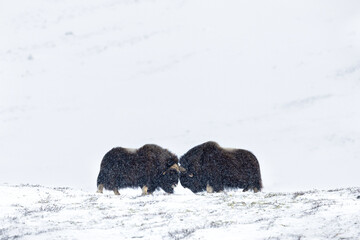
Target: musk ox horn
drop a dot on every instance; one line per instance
(183, 170)
(175, 167)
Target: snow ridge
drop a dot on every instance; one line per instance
(38, 212)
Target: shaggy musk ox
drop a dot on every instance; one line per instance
(149, 167)
(212, 168)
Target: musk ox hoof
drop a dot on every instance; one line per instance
(209, 188)
(255, 189)
(116, 191)
(100, 188)
(144, 191)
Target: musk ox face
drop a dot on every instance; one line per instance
(149, 167)
(192, 182)
(190, 174)
(212, 168)
(170, 179)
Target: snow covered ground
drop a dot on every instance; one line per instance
(279, 78)
(37, 212)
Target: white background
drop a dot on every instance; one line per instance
(279, 78)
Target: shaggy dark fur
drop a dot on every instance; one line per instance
(210, 166)
(150, 166)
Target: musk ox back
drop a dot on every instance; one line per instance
(149, 167)
(212, 168)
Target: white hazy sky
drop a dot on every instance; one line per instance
(279, 78)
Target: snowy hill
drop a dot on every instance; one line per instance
(279, 78)
(37, 212)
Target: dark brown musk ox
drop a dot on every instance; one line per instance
(213, 168)
(149, 167)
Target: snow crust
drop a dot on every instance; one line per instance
(37, 212)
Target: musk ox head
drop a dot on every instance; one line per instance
(165, 164)
(170, 178)
(212, 168)
(192, 171)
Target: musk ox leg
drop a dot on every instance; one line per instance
(151, 188)
(214, 185)
(144, 190)
(116, 191)
(209, 188)
(247, 188)
(100, 188)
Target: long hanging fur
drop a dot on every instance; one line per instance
(213, 168)
(149, 167)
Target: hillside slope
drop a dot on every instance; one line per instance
(37, 212)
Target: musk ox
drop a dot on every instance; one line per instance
(149, 167)
(212, 168)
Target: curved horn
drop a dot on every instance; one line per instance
(183, 170)
(175, 167)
